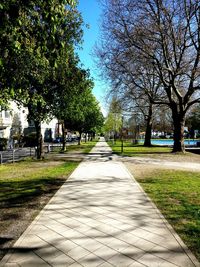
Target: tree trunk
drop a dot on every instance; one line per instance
(179, 123)
(63, 137)
(147, 139)
(39, 140)
(79, 139)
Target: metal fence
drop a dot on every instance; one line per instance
(12, 155)
(16, 154)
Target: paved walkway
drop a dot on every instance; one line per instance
(99, 217)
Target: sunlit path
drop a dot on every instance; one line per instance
(100, 217)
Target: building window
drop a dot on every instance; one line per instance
(7, 114)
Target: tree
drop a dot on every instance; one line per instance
(133, 80)
(84, 113)
(113, 121)
(72, 82)
(35, 36)
(193, 119)
(165, 35)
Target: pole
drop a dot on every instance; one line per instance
(122, 141)
(13, 156)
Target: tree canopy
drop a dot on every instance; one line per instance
(34, 38)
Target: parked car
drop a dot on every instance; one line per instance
(58, 140)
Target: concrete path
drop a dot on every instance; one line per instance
(99, 217)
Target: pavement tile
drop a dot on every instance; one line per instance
(69, 222)
(32, 260)
(61, 261)
(120, 260)
(18, 257)
(180, 259)
(137, 264)
(92, 245)
(65, 246)
(72, 234)
(106, 264)
(11, 265)
(75, 264)
(152, 261)
(117, 244)
(32, 242)
(133, 252)
(91, 260)
(105, 252)
(107, 229)
(144, 244)
(128, 238)
(77, 253)
(48, 253)
(94, 233)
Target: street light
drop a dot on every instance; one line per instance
(122, 141)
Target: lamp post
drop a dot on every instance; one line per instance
(122, 141)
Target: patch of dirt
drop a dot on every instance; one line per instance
(48, 163)
(139, 166)
(176, 157)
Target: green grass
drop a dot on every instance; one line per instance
(177, 196)
(82, 148)
(130, 149)
(27, 179)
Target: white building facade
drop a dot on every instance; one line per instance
(14, 122)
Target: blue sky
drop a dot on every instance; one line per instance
(91, 12)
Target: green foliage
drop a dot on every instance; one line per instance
(34, 37)
(74, 103)
(3, 143)
(84, 113)
(113, 122)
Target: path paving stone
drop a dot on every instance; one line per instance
(100, 217)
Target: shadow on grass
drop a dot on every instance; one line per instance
(20, 193)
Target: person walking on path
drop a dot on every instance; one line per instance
(100, 217)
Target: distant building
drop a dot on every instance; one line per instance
(13, 123)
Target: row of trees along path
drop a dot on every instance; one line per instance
(39, 68)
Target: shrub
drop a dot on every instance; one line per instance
(3, 144)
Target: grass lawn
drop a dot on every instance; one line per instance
(130, 149)
(177, 196)
(84, 147)
(154, 152)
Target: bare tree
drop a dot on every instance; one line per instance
(165, 34)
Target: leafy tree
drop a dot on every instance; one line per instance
(72, 82)
(34, 37)
(113, 121)
(84, 113)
